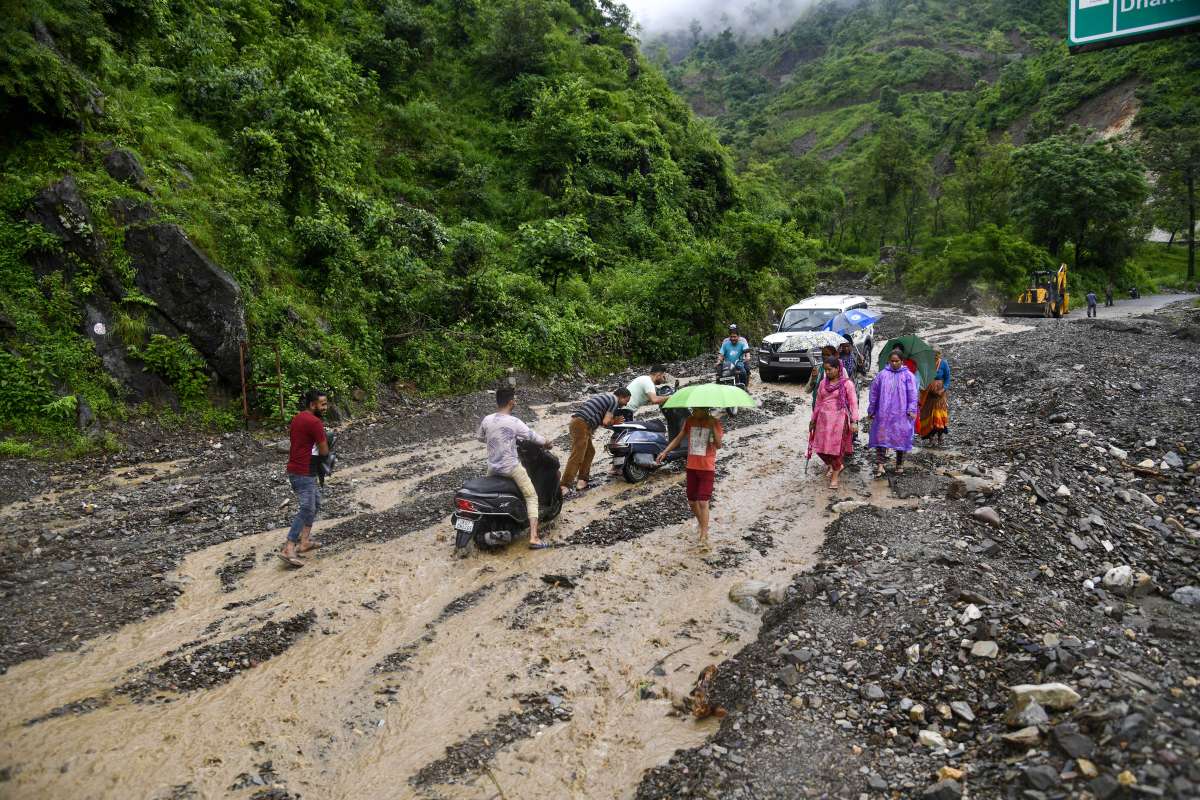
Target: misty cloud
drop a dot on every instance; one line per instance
(752, 17)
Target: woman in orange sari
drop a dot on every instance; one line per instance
(934, 417)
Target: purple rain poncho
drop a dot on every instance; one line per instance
(893, 398)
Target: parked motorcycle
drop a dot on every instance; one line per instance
(635, 444)
(490, 510)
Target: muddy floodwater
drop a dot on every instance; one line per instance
(387, 668)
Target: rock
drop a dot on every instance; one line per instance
(749, 605)
(789, 676)
(124, 167)
(1119, 579)
(913, 651)
(1058, 696)
(1117, 452)
(932, 739)
(142, 386)
(1146, 463)
(1078, 543)
(1041, 777)
(970, 614)
(950, 773)
(1126, 778)
(985, 650)
(988, 515)
(1026, 737)
(1086, 768)
(60, 210)
(1173, 460)
(1026, 714)
(1072, 742)
(192, 294)
(1104, 787)
(947, 789)
(916, 713)
(846, 506)
(961, 709)
(126, 211)
(1058, 418)
(1062, 491)
(872, 691)
(748, 588)
(1143, 585)
(1187, 595)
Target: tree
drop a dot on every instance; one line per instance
(982, 183)
(556, 248)
(895, 173)
(1085, 194)
(889, 101)
(1173, 155)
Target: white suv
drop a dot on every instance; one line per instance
(809, 315)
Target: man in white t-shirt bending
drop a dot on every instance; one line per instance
(642, 390)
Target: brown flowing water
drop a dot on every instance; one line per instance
(412, 652)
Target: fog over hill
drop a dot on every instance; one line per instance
(754, 18)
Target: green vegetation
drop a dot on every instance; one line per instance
(915, 126)
(423, 192)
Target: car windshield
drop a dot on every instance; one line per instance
(806, 319)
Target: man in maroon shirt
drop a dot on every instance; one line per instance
(308, 439)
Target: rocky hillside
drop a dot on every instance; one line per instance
(815, 88)
(878, 124)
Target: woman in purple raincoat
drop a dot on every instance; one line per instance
(892, 410)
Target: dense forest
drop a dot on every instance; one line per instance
(962, 135)
(422, 194)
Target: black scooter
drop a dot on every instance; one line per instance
(490, 511)
(635, 444)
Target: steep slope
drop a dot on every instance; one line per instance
(817, 87)
(418, 191)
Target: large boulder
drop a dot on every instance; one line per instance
(192, 294)
(60, 209)
(141, 385)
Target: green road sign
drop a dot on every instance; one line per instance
(1103, 23)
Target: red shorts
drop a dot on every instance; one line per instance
(700, 484)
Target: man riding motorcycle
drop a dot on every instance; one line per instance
(735, 351)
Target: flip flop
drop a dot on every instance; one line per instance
(313, 545)
(291, 561)
(538, 545)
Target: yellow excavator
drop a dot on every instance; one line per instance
(1046, 296)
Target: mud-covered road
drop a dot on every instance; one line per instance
(155, 648)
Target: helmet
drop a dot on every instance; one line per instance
(733, 329)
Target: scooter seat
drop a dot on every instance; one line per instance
(491, 484)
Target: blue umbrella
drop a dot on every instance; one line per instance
(854, 319)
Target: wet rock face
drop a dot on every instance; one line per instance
(124, 166)
(127, 211)
(193, 294)
(60, 209)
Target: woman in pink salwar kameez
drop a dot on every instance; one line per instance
(834, 421)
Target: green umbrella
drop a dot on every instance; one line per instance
(917, 349)
(709, 395)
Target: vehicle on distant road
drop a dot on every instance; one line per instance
(812, 314)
